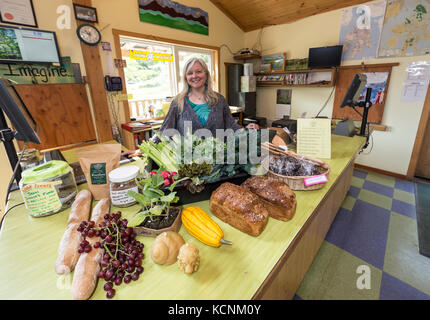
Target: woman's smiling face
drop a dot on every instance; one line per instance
(196, 76)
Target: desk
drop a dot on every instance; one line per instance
(130, 137)
(270, 266)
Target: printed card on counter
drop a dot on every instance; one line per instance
(310, 181)
(314, 138)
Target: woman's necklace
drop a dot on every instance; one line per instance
(195, 99)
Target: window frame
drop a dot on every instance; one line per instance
(118, 33)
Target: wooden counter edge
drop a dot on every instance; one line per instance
(282, 283)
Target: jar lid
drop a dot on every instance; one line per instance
(124, 173)
(44, 171)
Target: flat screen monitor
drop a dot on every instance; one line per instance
(324, 57)
(23, 45)
(16, 111)
(353, 95)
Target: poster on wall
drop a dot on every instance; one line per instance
(283, 103)
(175, 15)
(360, 30)
(378, 82)
(406, 30)
(417, 81)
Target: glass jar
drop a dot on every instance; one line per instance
(29, 159)
(48, 188)
(121, 180)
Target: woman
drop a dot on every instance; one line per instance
(199, 104)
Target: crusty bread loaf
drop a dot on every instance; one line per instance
(240, 208)
(88, 266)
(68, 249)
(279, 200)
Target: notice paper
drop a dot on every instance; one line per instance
(417, 81)
(314, 138)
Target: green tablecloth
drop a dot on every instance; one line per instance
(28, 251)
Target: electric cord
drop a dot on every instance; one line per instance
(328, 99)
(7, 211)
(228, 48)
(14, 172)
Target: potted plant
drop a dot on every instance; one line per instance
(155, 197)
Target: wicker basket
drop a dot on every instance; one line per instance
(297, 182)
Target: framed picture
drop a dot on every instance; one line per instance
(265, 67)
(85, 13)
(19, 12)
(276, 61)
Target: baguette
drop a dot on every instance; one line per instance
(68, 249)
(86, 271)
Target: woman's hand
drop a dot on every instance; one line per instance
(253, 126)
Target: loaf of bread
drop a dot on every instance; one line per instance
(279, 200)
(68, 249)
(240, 208)
(87, 269)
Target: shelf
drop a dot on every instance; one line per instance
(247, 57)
(294, 71)
(286, 77)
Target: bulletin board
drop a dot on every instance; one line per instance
(61, 111)
(379, 90)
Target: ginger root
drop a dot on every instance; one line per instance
(166, 247)
(188, 258)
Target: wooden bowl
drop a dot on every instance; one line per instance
(148, 232)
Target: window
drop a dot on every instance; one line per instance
(150, 79)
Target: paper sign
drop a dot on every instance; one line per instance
(123, 96)
(151, 56)
(315, 180)
(41, 198)
(314, 138)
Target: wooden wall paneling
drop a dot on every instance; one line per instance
(61, 111)
(125, 104)
(289, 272)
(94, 72)
(419, 138)
(344, 79)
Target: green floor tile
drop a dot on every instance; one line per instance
(348, 203)
(402, 258)
(333, 276)
(357, 182)
(404, 196)
(375, 199)
(381, 179)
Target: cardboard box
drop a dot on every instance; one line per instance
(248, 83)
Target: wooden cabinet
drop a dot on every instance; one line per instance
(297, 78)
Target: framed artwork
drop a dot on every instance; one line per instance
(276, 61)
(265, 67)
(172, 14)
(19, 12)
(85, 13)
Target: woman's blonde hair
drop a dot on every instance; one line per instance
(211, 96)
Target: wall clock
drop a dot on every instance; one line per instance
(89, 34)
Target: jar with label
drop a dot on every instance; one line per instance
(121, 180)
(48, 188)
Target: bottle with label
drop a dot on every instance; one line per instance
(121, 180)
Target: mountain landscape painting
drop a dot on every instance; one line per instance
(175, 15)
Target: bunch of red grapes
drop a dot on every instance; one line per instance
(122, 257)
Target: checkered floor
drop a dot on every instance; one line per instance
(371, 249)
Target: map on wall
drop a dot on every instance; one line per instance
(406, 30)
(360, 30)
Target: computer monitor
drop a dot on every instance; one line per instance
(353, 95)
(354, 98)
(325, 57)
(18, 114)
(25, 128)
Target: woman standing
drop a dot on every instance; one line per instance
(199, 104)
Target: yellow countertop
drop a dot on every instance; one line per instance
(28, 251)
